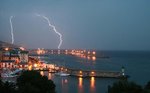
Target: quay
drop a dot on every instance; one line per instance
(99, 74)
(87, 73)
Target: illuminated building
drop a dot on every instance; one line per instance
(13, 58)
(8, 64)
(24, 56)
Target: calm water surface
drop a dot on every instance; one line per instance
(137, 64)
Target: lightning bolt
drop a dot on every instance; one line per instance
(54, 29)
(12, 32)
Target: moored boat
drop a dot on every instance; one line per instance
(62, 74)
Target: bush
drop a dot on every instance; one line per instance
(34, 82)
(125, 86)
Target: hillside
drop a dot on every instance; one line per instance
(5, 44)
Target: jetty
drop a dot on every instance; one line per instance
(87, 73)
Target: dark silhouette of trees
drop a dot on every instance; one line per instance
(7, 87)
(33, 82)
(125, 86)
(147, 88)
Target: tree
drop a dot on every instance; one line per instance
(33, 82)
(125, 86)
(7, 87)
(147, 87)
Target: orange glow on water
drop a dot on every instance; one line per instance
(88, 58)
(66, 81)
(80, 82)
(80, 85)
(42, 73)
(92, 85)
(92, 82)
(49, 76)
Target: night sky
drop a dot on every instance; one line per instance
(84, 24)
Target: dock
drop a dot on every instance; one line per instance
(87, 73)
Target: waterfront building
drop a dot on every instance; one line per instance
(24, 58)
(8, 64)
(23, 65)
(1, 53)
(13, 58)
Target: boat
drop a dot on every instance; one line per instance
(62, 74)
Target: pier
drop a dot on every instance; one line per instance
(86, 73)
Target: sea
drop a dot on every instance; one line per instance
(136, 63)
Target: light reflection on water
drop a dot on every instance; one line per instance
(92, 85)
(71, 84)
(65, 84)
(49, 76)
(80, 85)
(42, 73)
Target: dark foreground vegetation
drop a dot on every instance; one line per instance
(124, 86)
(29, 82)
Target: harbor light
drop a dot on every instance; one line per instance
(6, 49)
(94, 53)
(93, 58)
(88, 58)
(80, 82)
(92, 84)
(30, 67)
(22, 48)
(92, 72)
(35, 65)
(80, 73)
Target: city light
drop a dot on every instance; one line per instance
(35, 65)
(22, 48)
(6, 49)
(92, 72)
(94, 52)
(42, 73)
(30, 67)
(93, 58)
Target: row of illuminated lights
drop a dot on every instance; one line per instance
(42, 51)
(7, 48)
(42, 66)
(81, 74)
(92, 73)
(84, 55)
(83, 52)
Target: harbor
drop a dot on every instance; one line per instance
(19, 58)
(84, 73)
